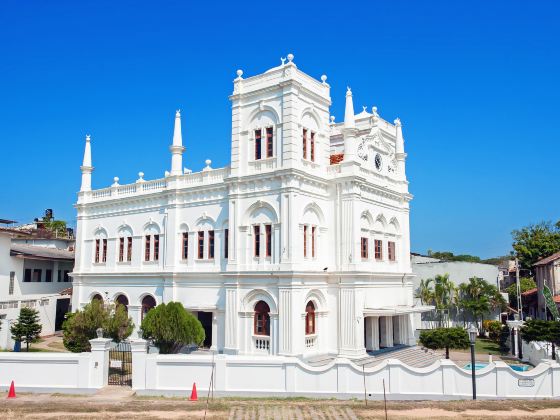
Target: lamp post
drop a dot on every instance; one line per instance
(472, 337)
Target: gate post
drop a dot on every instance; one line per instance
(99, 362)
(139, 348)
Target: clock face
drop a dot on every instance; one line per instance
(378, 162)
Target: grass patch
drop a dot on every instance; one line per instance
(485, 346)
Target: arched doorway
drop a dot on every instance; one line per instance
(310, 318)
(262, 319)
(147, 303)
(122, 300)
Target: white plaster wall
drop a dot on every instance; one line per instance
(282, 376)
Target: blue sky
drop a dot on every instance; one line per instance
(475, 84)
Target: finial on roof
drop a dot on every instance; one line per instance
(349, 121)
(88, 137)
(239, 74)
(324, 79)
(364, 108)
(178, 113)
(208, 162)
(397, 122)
(332, 119)
(374, 111)
(115, 182)
(140, 177)
(283, 60)
(290, 57)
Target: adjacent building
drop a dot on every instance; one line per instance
(547, 272)
(34, 272)
(300, 246)
(426, 267)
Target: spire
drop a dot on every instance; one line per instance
(177, 147)
(86, 167)
(349, 121)
(349, 129)
(399, 149)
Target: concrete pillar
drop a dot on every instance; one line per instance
(214, 345)
(135, 312)
(386, 331)
(285, 322)
(99, 362)
(372, 333)
(231, 322)
(139, 349)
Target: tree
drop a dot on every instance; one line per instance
(540, 330)
(480, 297)
(449, 256)
(525, 284)
(81, 326)
(27, 328)
(445, 338)
(534, 242)
(170, 327)
(441, 296)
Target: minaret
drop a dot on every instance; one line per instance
(349, 129)
(399, 149)
(177, 147)
(86, 167)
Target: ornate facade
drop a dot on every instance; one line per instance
(299, 247)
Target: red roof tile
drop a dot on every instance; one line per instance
(337, 158)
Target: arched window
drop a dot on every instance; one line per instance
(122, 300)
(147, 303)
(310, 318)
(98, 297)
(262, 318)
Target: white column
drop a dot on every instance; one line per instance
(134, 311)
(214, 345)
(231, 321)
(285, 322)
(372, 333)
(274, 330)
(99, 362)
(386, 331)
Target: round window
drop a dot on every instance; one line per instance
(378, 162)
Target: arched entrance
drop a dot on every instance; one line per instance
(147, 303)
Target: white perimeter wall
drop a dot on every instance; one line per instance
(286, 376)
(64, 372)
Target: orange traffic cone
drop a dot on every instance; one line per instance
(12, 392)
(194, 395)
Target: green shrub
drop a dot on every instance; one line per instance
(81, 326)
(445, 338)
(170, 327)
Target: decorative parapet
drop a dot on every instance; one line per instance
(189, 180)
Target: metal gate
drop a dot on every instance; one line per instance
(120, 365)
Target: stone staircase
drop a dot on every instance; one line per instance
(412, 356)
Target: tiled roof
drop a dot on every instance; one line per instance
(67, 291)
(41, 252)
(548, 259)
(337, 158)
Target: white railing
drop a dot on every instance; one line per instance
(310, 341)
(158, 184)
(105, 192)
(261, 344)
(213, 176)
(126, 189)
(262, 165)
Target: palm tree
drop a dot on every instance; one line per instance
(441, 296)
(424, 292)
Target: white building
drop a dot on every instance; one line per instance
(299, 247)
(33, 273)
